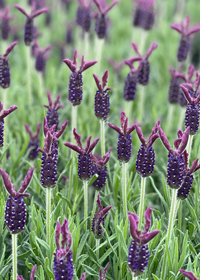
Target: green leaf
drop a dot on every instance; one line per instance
(24, 255)
(82, 243)
(93, 179)
(122, 241)
(155, 277)
(47, 269)
(89, 270)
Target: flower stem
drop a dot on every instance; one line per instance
(124, 189)
(134, 278)
(141, 206)
(28, 61)
(4, 92)
(74, 122)
(97, 245)
(189, 145)
(85, 185)
(102, 124)
(169, 118)
(141, 104)
(48, 214)
(14, 255)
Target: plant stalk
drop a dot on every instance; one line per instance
(134, 278)
(14, 256)
(85, 185)
(189, 145)
(141, 104)
(48, 215)
(97, 245)
(124, 189)
(102, 124)
(28, 61)
(141, 206)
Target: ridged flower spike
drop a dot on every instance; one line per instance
(146, 154)
(98, 220)
(5, 24)
(29, 27)
(101, 20)
(124, 141)
(188, 274)
(2, 116)
(185, 31)
(41, 57)
(143, 74)
(138, 256)
(33, 142)
(75, 94)
(176, 164)
(19, 277)
(144, 14)
(101, 102)
(5, 68)
(84, 15)
(85, 165)
(102, 273)
(63, 262)
(15, 213)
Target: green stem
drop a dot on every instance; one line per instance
(97, 245)
(14, 256)
(102, 124)
(74, 122)
(141, 206)
(124, 189)
(87, 45)
(181, 117)
(5, 92)
(134, 278)
(99, 47)
(179, 209)
(85, 185)
(141, 104)
(189, 145)
(48, 215)
(28, 61)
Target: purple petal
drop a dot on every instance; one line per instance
(100, 207)
(140, 135)
(33, 272)
(177, 143)
(77, 137)
(7, 112)
(191, 70)
(116, 128)
(184, 140)
(9, 49)
(7, 183)
(122, 119)
(148, 236)
(64, 232)
(48, 142)
(135, 47)
(147, 216)
(188, 274)
(75, 148)
(165, 140)
(152, 139)
(88, 65)
(197, 81)
(26, 181)
(185, 155)
(104, 212)
(20, 277)
(105, 79)
(98, 6)
(186, 93)
(97, 81)
(88, 144)
(1, 106)
(70, 64)
(93, 145)
(37, 131)
(57, 235)
(135, 233)
(83, 276)
(39, 12)
(130, 61)
(194, 166)
(110, 7)
(21, 10)
(130, 128)
(193, 30)
(155, 129)
(60, 132)
(49, 99)
(45, 126)
(105, 270)
(152, 47)
(177, 27)
(28, 130)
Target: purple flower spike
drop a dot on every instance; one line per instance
(63, 262)
(34, 141)
(84, 15)
(144, 14)
(15, 213)
(101, 102)
(185, 41)
(138, 256)
(124, 140)
(41, 57)
(102, 275)
(5, 24)
(101, 20)
(29, 27)
(75, 82)
(146, 155)
(5, 68)
(20, 277)
(143, 74)
(2, 116)
(188, 274)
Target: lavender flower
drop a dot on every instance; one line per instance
(15, 213)
(143, 74)
(20, 277)
(188, 274)
(2, 116)
(5, 24)
(181, 99)
(99, 217)
(176, 165)
(75, 83)
(124, 140)
(63, 262)
(5, 68)
(185, 31)
(101, 20)
(146, 154)
(85, 165)
(177, 78)
(102, 274)
(101, 103)
(41, 57)
(138, 256)
(84, 15)
(34, 141)
(50, 155)
(29, 25)
(144, 14)
(2, 4)
(52, 113)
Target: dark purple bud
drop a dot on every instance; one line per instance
(33, 144)
(184, 47)
(26, 182)
(188, 274)
(101, 26)
(2, 4)
(5, 24)
(130, 86)
(184, 190)
(144, 14)
(175, 171)
(41, 57)
(145, 161)
(85, 167)
(79, 15)
(124, 148)
(75, 94)
(192, 118)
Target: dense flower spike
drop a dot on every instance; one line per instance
(29, 27)
(15, 213)
(19, 277)
(146, 154)
(101, 20)
(102, 274)
(98, 220)
(101, 102)
(143, 74)
(188, 274)
(177, 78)
(5, 68)
(41, 57)
(34, 141)
(185, 41)
(75, 83)
(138, 256)
(175, 166)
(84, 15)
(5, 24)
(50, 155)
(124, 140)
(63, 262)
(2, 116)
(144, 14)
(52, 113)
(85, 165)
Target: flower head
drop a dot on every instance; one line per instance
(34, 142)
(84, 14)
(5, 24)
(41, 57)
(144, 14)
(188, 274)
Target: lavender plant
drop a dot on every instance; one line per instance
(20, 277)
(144, 14)
(84, 15)
(177, 78)
(41, 57)
(33, 142)
(5, 23)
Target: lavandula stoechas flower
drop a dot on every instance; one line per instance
(75, 94)
(181, 99)
(15, 212)
(188, 274)
(50, 155)
(41, 57)
(5, 68)
(101, 102)
(101, 20)
(177, 78)
(33, 142)
(175, 165)
(146, 154)
(138, 256)
(2, 116)
(100, 170)
(84, 15)
(52, 113)
(99, 217)
(117, 67)
(144, 14)
(19, 277)
(85, 165)
(192, 111)
(2, 4)
(29, 25)
(102, 273)
(63, 262)
(185, 31)
(143, 74)
(5, 23)
(124, 141)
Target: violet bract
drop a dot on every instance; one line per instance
(188, 274)
(20, 277)
(102, 273)
(33, 142)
